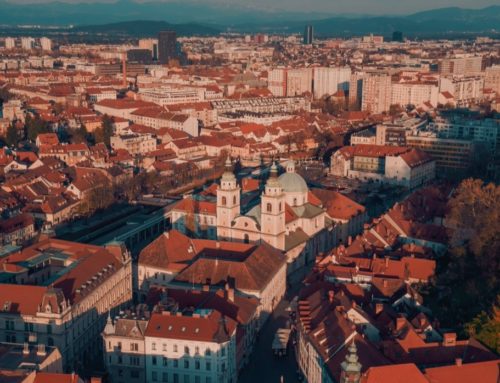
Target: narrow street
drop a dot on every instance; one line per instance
(264, 366)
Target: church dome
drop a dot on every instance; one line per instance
(293, 183)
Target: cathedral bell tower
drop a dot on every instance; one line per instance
(228, 202)
(273, 212)
(350, 367)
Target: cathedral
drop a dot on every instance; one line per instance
(285, 214)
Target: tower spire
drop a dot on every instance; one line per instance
(351, 368)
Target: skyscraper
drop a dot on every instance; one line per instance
(167, 41)
(397, 36)
(308, 34)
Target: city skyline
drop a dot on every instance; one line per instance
(339, 8)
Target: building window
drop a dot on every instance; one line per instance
(154, 376)
(208, 366)
(176, 363)
(246, 238)
(269, 207)
(196, 364)
(154, 360)
(165, 361)
(186, 350)
(165, 377)
(153, 346)
(196, 350)
(224, 201)
(186, 364)
(208, 352)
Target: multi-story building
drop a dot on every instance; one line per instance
(460, 65)
(492, 78)
(299, 81)
(58, 293)
(328, 81)
(27, 43)
(198, 346)
(452, 156)
(167, 41)
(414, 93)
(151, 45)
(464, 89)
(410, 168)
(46, 44)
(277, 81)
(376, 93)
(134, 143)
(308, 37)
(10, 43)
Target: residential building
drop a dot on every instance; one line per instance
(58, 293)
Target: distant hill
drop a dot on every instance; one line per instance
(189, 17)
(144, 28)
(438, 21)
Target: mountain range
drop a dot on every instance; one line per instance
(192, 17)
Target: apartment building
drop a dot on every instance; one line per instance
(388, 164)
(134, 143)
(376, 93)
(58, 293)
(328, 81)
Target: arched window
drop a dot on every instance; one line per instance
(246, 239)
(269, 207)
(224, 201)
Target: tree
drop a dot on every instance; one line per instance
(35, 126)
(79, 135)
(465, 292)
(395, 110)
(12, 136)
(106, 130)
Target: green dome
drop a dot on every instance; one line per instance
(293, 183)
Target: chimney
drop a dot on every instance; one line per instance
(400, 322)
(124, 69)
(41, 350)
(229, 293)
(450, 339)
(378, 308)
(331, 296)
(458, 362)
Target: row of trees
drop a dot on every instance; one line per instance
(466, 292)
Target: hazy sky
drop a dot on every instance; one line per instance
(327, 6)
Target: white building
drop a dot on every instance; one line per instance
(464, 89)
(299, 81)
(376, 93)
(328, 81)
(58, 293)
(402, 166)
(414, 93)
(134, 143)
(46, 44)
(10, 43)
(180, 347)
(277, 82)
(27, 43)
